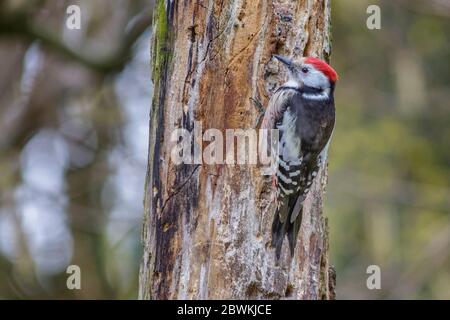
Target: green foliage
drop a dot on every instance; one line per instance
(160, 51)
(388, 197)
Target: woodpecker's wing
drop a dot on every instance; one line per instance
(286, 172)
(273, 116)
(276, 108)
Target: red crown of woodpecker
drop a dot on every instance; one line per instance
(323, 67)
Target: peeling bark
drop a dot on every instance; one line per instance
(207, 229)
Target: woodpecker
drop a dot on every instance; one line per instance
(303, 111)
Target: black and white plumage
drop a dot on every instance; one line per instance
(303, 111)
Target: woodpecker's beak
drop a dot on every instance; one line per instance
(285, 60)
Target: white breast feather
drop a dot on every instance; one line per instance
(290, 142)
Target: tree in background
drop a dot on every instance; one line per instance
(66, 145)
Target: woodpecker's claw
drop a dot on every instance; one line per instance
(274, 182)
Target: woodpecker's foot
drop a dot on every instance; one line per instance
(274, 182)
(260, 110)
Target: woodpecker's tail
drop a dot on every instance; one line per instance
(280, 228)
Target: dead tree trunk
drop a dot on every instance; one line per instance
(207, 229)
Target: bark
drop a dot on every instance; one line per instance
(207, 229)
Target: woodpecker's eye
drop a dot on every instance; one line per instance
(305, 70)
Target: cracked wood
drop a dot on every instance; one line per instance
(206, 232)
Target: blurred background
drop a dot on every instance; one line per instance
(74, 110)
